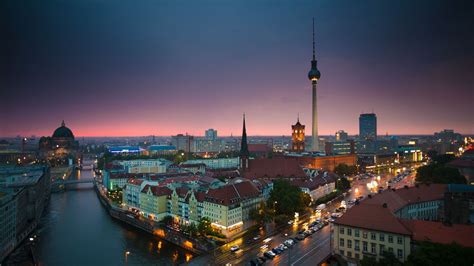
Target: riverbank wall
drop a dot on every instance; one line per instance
(176, 238)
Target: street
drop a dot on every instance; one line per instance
(310, 251)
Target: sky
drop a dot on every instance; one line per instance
(135, 68)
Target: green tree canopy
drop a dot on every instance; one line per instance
(287, 199)
(439, 174)
(428, 253)
(343, 169)
(343, 184)
(262, 214)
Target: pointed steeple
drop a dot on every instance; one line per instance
(63, 124)
(244, 149)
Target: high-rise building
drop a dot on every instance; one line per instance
(341, 135)
(211, 134)
(183, 142)
(297, 137)
(314, 76)
(368, 127)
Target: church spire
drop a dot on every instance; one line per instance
(63, 124)
(244, 150)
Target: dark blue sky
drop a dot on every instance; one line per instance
(167, 67)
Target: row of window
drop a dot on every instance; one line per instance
(358, 256)
(373, 235)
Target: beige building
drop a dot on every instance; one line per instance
(154, 201)
(392, 221)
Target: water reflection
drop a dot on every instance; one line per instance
(78, 231)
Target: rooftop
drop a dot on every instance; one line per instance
(274, 168)
(439, 233)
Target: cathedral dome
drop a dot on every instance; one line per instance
(63, 132)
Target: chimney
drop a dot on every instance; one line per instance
(406, 186)
(384, 205)
(370, 196)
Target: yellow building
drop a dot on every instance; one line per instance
(228, 207)
(186, 205)
(153, 202)
(383, 222)
(370, 230)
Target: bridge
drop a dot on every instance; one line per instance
(77, 181)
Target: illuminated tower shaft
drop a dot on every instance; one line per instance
(314, 76)
(315, 138)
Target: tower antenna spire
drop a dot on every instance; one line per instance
(298, 117)
(314, 53)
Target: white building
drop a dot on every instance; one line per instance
(220, 163)
(155, 166)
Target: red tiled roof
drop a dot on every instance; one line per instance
(182, 191)
(373, 217)
(396, 199)
(136, 182)
(156, 190)
(200, 196)
(274, 168)
(314, 182)
(439, 233)
(232, 193)
(259, 148)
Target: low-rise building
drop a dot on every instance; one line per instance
(318, 186)
(154, 201)
(218, 163)
(155, 166)
(131, 192)
(392, 221)
(8, 212)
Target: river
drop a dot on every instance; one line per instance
(76, 230)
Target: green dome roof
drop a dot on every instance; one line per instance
(63, 132)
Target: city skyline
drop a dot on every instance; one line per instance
(190, 70)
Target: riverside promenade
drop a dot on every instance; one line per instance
(151, 227)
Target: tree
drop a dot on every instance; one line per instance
(343, 184)
(428, 253)
(439, 174)
(443, 158)
(343, 169)
(204, 226)
(388, 259)
(287, 199)
(262, 214)
(167, 220)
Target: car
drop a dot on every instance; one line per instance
(290, 222)
(300, 237)
(234, 248)
(282, 247)
(264, 247)
(262, 259)
(276, 251)
(269, 254)
(255, 238)
(331, 220)
(289, 242)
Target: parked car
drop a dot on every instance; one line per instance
(269, 254)
(276, 251)
(234, 248)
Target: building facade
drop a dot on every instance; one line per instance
(297, 137)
